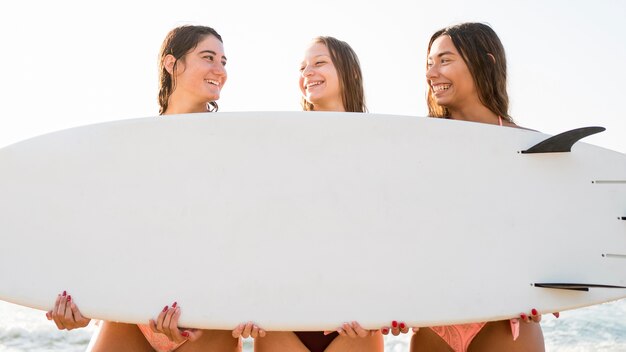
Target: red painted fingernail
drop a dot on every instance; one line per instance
(174, 304)
(385, 331)
(402, 325)
(394, 324)
(69, 298)
(165, 309)
(523, 316)
(185, 334)
(48, 315)
(534, 311)
(64, 293)
(557, 314)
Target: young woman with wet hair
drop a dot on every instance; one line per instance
(191, 76)
(466, 75)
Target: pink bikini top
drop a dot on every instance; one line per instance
(459, 337)
(158, 341)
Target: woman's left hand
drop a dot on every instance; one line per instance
(534, 316)
(167, 324)
(353, 330)
(248, 329)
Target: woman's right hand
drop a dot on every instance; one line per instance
(396, 328)
(65, 313)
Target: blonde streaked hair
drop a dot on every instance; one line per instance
(348, 68)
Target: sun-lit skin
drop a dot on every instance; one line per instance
(319, 81)
(452, 84)
(200, 76)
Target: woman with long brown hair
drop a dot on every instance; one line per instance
(466, 77)
(191, 76)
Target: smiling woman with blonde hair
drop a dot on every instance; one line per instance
(331, 78)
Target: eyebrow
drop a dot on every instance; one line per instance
(212, 52)
(442, 54)
(315, 57)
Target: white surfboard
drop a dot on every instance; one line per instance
(303, 220)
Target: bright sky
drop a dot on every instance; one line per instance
(69, 63)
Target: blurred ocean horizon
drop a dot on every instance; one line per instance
(596, 328)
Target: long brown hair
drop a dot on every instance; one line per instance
(475, 42)
(349, 71)
(178, 42)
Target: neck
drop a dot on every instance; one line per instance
(331, 106)
(185, 109)
(478, 113)
(183, 104)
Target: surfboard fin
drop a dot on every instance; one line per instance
(562, 142)
(574, 287)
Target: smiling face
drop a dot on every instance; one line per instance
(199, 75)
(449, 80)
(319, 81)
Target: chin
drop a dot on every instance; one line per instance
(442, 102)
(213, 97)
(313, 100)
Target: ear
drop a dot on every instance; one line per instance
(493, 58)
(168, 63)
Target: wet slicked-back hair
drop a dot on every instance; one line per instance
(349, 71)
(475, 42)
(178, 42)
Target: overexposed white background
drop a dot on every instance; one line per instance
(68, 63)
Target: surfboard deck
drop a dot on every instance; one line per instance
(305, 220)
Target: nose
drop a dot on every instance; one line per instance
(219, 69)
(307, 71)
(432, 72)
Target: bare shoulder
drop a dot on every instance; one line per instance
(511, 124)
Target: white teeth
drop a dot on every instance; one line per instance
(311, 84)
(441, 87)
(211, 81)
